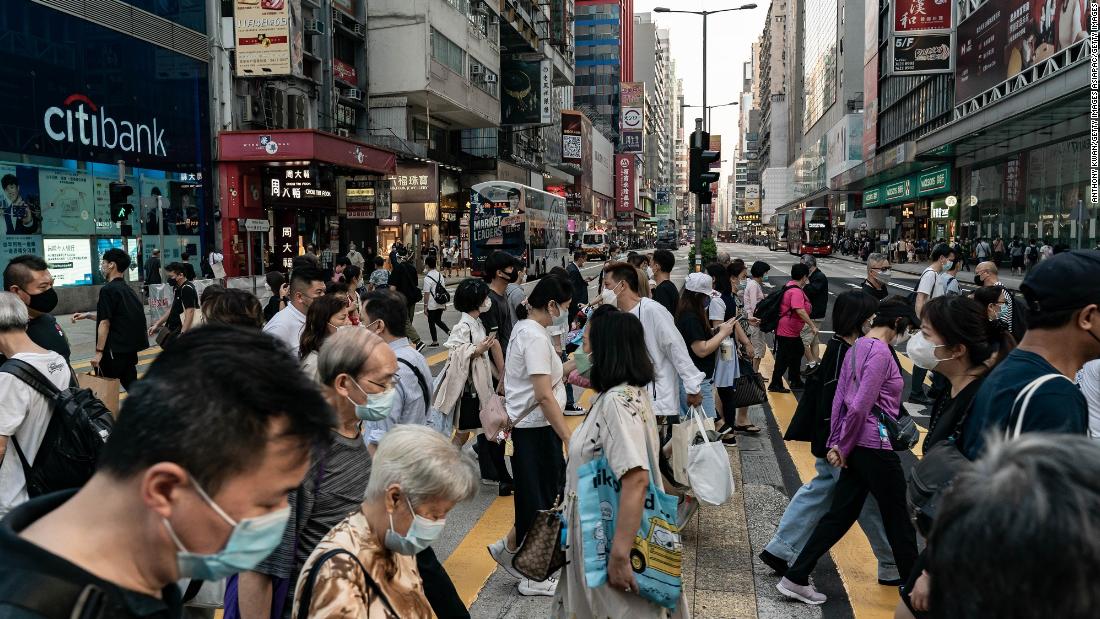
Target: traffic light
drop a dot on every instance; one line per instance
(699, 174)
(120, 206)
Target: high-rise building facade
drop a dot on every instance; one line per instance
(604, 32)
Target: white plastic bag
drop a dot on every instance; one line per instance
(708, 467)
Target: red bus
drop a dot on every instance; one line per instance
(810, 231)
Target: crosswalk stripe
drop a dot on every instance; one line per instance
(148, 353)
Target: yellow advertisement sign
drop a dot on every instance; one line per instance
(752, 205)
(263, 37)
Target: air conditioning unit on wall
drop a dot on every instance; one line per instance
(490, 78)
(354, 94)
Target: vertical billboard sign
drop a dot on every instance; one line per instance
(624, 187)
(521, 90)
(632, 116)
(263, 37)
(1004, 37)
(870, 79)
(546, 92)
(572, 142)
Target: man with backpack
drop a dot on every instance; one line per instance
(794, 313)
(24, 412)
(929, 287)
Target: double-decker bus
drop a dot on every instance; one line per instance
(810, 231)
(777, 233)
(523, 221)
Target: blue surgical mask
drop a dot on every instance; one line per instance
(378, 405)
(252, 541)
(742, 284)
(422, 532)
(765, 278)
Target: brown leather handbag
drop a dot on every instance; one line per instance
(541, 553)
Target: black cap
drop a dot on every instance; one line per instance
(1066, 281)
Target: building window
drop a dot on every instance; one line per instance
(484, 79)
(447, 53)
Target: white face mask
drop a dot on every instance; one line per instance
(649, 272)
(923, 352)
(608, 296)
(486, 305)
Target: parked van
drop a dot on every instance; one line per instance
(596, 244)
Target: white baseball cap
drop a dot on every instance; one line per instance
(701, 283)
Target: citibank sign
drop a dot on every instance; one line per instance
(80, 121)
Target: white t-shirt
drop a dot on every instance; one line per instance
(286, 326)
(25, 414)
(530, 352)
(930, 284)
(1088, 379)
(430, 279)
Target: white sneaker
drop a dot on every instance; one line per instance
(802, 593)
(534, 587)
(500, 553)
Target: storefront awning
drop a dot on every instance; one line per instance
(304, 145)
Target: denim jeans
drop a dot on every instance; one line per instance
(706, 389)
(806, 508)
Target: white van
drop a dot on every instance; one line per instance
(596, 244)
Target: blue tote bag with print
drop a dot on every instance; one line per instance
(657, 553)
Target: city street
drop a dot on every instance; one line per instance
(722, 575)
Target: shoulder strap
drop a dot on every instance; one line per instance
(31, 376)
(419, 379)
(52, 597)
(193, 587)
(306, 597)
(1014, 429)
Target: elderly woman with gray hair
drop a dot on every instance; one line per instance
(365, 566)
(356, 371)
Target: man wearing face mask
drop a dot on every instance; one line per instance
(28, 277)
(1063, 315)
(418, 478)
(987, 274)
(120, 322)
(356, 370)
(499, 271)
(306, 284)
(169, 500)
(185, 304)
(929, 287)
(878, 276)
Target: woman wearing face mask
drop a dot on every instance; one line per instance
(645, 273)
(534, 397)
(325, 315)
(365, 567)
(992, 298)
(959, 340)
(870, 381)
(356, 370)
(728, 281)
(700, 306)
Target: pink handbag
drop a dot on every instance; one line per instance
(494, 419)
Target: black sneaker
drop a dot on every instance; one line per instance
(779, 390)
(506, 489)
(573, 410)
(779, 566)
(420, 346)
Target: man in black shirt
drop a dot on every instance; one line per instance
(404, 279)
(665, 292)
(580, 284)
(120, 322)
(29, 278)
(878, 276)
(499, 271)
(169, 500)
(817, 290)
(152, 269)
(185, 303)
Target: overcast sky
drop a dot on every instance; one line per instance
(729, 39)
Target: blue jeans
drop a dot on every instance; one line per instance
(806, 508)
(706, 389)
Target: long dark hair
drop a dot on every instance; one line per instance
(850, 310)
(320, 313)
(692, 303)
(960, 320)
(618, 350)
(550, 288)
(721, 276)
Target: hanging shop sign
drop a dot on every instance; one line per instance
(345, 72)
(572, 139)
(624, 187)
(631, 141)
(921, 54)
(415, 182)
(931, 182)
(263, 37)
(366, 198)
(297, 186)
(934, 181)
(916, 15)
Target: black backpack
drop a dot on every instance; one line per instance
(767, 310)
(440, 294)
(77, 431)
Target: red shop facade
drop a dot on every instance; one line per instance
(291, 179)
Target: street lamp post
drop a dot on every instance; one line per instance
(704, 14)
(711, 107)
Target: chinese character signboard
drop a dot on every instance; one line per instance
(286, 237)
(70, 261)
(546, 92)
(296, 186)
(366, 198)
(632, 94)
(921, 54)
(915, 15)
(624, 187)
(415, 183)
(263, 37)
(631, 141)
(344, 72)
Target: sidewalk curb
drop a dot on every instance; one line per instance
(909, 269)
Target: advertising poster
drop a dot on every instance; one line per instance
(631, 141)
(624, 187)
(869, 142)
(572, 144)
(104, 244)
(520, 92)
(263, 37)
(915, 15)
(12, 245)
(1004, 37)
(70, 261)
(921, 54)
(68, 202)
(20, 200)
(415, 183)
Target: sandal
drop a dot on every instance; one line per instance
(747, 429)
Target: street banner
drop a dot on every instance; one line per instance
(921, 54)
(624, 187)
(263, 37)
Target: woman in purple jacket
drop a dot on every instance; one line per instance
(858, 443)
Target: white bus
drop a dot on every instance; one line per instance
(523, 221)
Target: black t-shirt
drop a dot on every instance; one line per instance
(878, 293)
(817, 291)
(45, 332)
(272, 307)
(667, 295)
(119, 304)
(186, 297)
(693, 331)
(25, 562)
(499, 318)
(948, 412)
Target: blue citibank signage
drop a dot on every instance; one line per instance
(933, 181)
(79, 91)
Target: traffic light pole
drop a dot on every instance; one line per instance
(699, 207)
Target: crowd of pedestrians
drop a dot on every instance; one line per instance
(300, 459)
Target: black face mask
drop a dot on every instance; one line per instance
(978, 280)
(43, 302)
(512, 277)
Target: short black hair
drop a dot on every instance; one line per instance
(301, 278)
(195, 401)
(618, 350)
(799, 270)
(941, 250)
(897, 313)
(120, 258)
(343, 261)
(759, 268)
(850, 310)
(352, 272)
(388, 306)
(8, 181)
(623, 272)
(20, 271)
(554, 288)
(275, 281)
(176, 267)
(638, 260)
(580, 254)
(665, 260)
(497, 261)
(470, 294)
(379, 262)
(430, 261)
